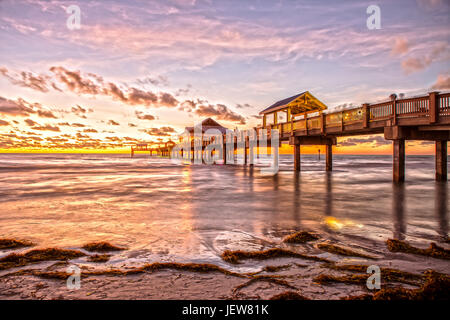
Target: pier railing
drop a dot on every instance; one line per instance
(414, 111)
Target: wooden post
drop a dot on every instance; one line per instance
(224, 151)
(441, 160)
(329, 157)
(322, 123)
(394, 110)
(366, 115)
(297, 157)
(399, 160)
(264, 121)
(433, 107)
(245, 149)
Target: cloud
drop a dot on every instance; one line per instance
(15, 108)
(243, 106)
(442, 82)
(376, 141)
(30, 122)
(414, 64)
(132, 125)
(140, 115)
(113, 123)
(401, 46)
(220, 112)
(80, 111)
(162, 131)
(46, 127)
(28, 80)
(95, 85)
(4, 123)
(90, 131)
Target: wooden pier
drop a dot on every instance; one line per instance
(163, 149)
(304, 120)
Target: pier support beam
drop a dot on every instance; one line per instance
(329, 157)
(399, 160)
(441, 160)
(297, 157)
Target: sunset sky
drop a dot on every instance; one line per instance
(139, 71)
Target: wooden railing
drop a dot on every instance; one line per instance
(417, 107)
(444, 104)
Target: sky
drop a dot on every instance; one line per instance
(140, 71)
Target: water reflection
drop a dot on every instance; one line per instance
(442, 209)
(398, 209)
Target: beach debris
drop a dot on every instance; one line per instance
(192, 267)
(332, 248)
(387, 274)
(349, 279)
(235, 256)
(38, 255)
(436, 287)
(265, 278)
(289, 295)
(301, 237)
(433, 250)
(99, 258)
(13, 243)
(101, 247)
(276, 268)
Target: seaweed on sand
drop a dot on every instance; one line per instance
(387, 274)
(38, 255)
(270, 279)
(349, 279)
(13, 243)
(436, 287)
(276, 268)
(301, 237)
(99, 258)
(101, 247)
(192, 267)
(332, 248)
(433, 250)
(288, 295)
(236, 256)
(195, 267)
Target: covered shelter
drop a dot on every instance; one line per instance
(288, 109)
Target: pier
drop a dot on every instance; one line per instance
(304, 120)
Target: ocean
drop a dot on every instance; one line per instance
(162, 211)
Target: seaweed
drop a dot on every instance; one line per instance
(433, 250)
(288, 295)
(235, 256)
(38, 255)
(196, 267)
(342, 251)
(99, 258)
(363, 297)
(349, 279)
(301, 237)
(265, 278)
(436, 287)
(101, 247)
(275, 268)
(12, 243)
(387, 274)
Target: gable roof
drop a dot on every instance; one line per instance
(299, 102)
(206, 124)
